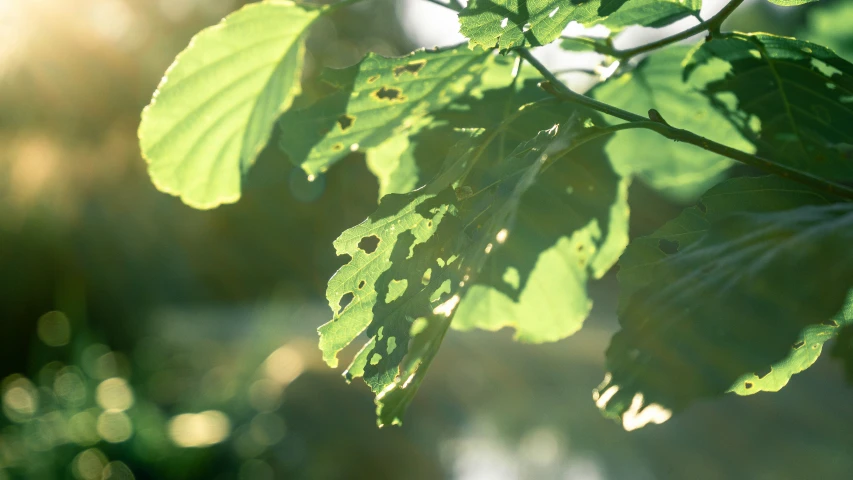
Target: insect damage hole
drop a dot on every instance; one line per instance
(391, 94)
(345, 121)
(668, 246)
(361, 284)
(411, 67)
(346, 299)
(369, 244)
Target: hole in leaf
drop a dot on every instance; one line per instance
(831, 323)
(361, 284)
(345, 121)
(427, 276)
(369, 244)
(373, 78)
(668, 246)
(345, 301)
(748, 384)
(580, 247)
(391, 94)
(412, 67)
(763, 373)
(338, 147)
(702, 208)
(798, 344)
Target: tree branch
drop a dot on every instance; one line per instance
(560, 91)
(711, 25)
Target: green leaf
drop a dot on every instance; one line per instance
(726, 290)
(843, 347)
(214, 109)
(792, 99)
(790, 3)
(415, 257)
(651, 13)
(829, 25)
(570, 227)
(679, 170)
(375, 106)
(513, 23)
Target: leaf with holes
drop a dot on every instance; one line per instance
(512, 23)
(214, 109)
(792, 99)
(679, 170)
(571, 227)
(418, 253)
(374, 106)
(725, 290)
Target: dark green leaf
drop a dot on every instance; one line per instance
(512, 23)
(727, 290)
(214, 109)
(375, 106)
(793, 99)
(679, 170)
(829, 25)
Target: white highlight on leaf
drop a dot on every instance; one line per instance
(488, 249)
(602, 399)
(504, 22)
(553, 12)
(353, 147)
(447, 307)
(311, 178)
(501, 236)
(637, 416)
(606, 72)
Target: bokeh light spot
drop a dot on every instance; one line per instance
(114, 394)
(20, 399)
(284, 365)
(89, 464)
(54, 329)
(114, 426)
(199, 429)
(117, 471)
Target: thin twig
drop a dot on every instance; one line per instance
(711, 25)
(560, 91)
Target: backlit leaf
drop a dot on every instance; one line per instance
(214, 109)
(793, 99)
(415, 257)
(375, 106)
(679, 170)
(727, 290)
(512, 23)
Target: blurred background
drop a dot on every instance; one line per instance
(143, 339)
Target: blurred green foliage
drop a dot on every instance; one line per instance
(156, 363)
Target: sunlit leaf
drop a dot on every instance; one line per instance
(214, 109)
(375, 106)
(728, 289)
(512, 23)
(651, 13)
(793, 99)
(679, 170)
(790, 3)
(415, 257)
(570, 228)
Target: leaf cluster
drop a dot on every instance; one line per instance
(502, 198)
